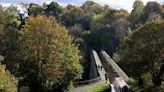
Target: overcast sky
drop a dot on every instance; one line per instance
(117, 4)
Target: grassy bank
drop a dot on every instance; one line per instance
(99, 88)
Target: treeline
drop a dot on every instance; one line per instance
(141, 54)
(96, 26)
(40, 53)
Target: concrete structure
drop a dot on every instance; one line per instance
(93, 66)
(114, 66)
(99, 65)
(95, 74)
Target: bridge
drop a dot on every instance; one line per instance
(97, 75)
(119, 72)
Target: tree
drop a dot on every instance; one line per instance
(74, 16)
(2, 18)
(143, 51)
(9, 37)
(94, 38)
(114, 15)
(8, 17)
(69, 6)
(50, 57)
(10, 48)
(8, 82)
(108, 42)
(138, 9)
(153, 10)
(93, 8)
(76, 30)
(121, 29)
(53, 9)
(35, 10)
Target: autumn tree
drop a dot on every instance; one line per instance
(8, 83)
(143, 51)
(50, 58)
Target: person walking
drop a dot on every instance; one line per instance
(98, 67)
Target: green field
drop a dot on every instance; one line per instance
(99, 88)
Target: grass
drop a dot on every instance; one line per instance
(99, 88)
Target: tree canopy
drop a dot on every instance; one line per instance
(50, 57)
(143, 51)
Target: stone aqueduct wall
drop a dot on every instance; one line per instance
(118, 71)
(94, 75)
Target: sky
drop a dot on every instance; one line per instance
(117, 4)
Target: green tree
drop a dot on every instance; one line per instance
(2, 18)
(9, 48)
(8, 82)
(121, 29)
(69, 6)
(143, 51)
(108, 42)
(9, 38)
(76, 30)
(8, 17)
(53, 9)
(93, 8)
(152, 10)
(35, 9)
(94, 38)
(74, 16)
(138, 9)
(50, 58)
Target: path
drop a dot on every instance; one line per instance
(101, 72)
(98, 63)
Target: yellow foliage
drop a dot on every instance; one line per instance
(8, 82)
(47, 45)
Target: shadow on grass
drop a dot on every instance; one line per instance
(107, 90)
